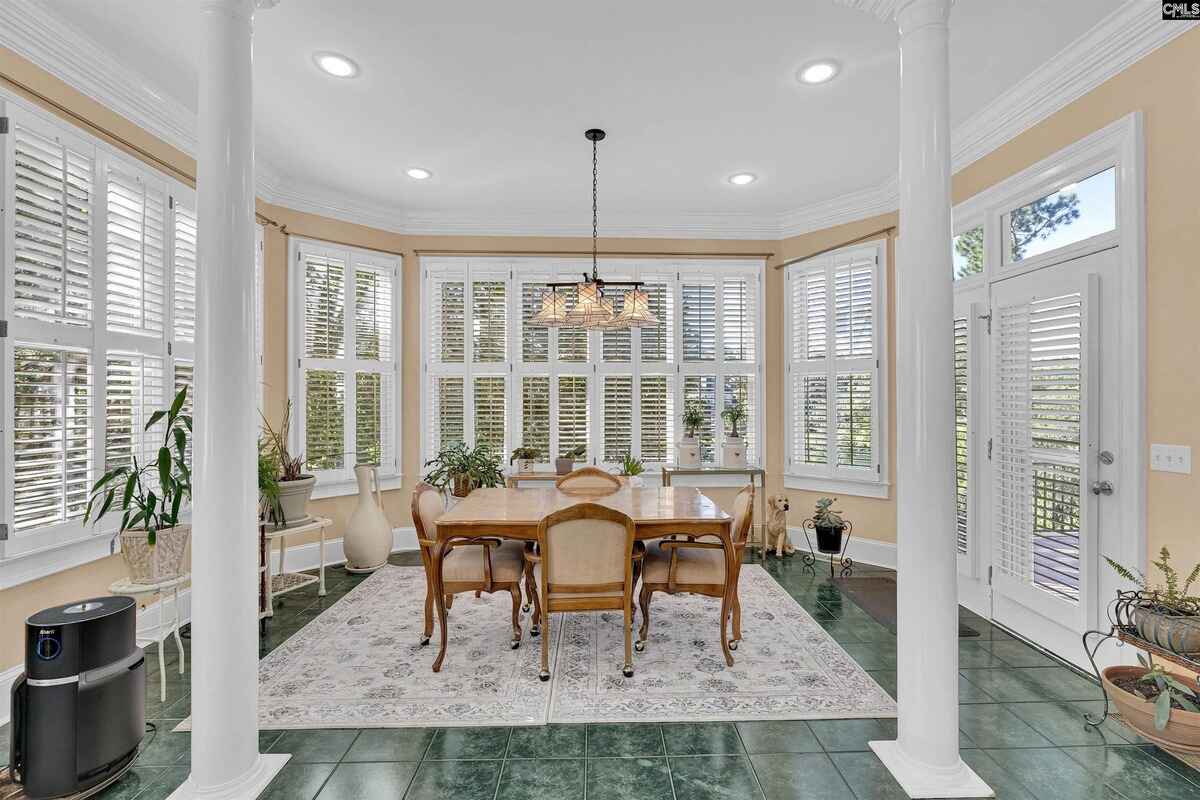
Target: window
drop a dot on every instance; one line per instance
(834, 386)
(345, 341)
(1075, 212)
(492, 377)
(967, 253)
(100, 265)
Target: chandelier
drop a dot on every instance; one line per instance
(592, 308)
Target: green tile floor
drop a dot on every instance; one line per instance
(1020, 721)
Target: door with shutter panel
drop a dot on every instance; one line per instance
(1052, 414)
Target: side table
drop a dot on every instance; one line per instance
(281, 581)
(162, 630)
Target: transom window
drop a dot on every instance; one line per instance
(492, 377)
(834, 386)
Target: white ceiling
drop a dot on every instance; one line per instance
(494, 97)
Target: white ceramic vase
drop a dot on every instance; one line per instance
(368, 538)
(687, 452)
(733, 452)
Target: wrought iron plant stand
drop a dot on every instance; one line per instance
(809, 559)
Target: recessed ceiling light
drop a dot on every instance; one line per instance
(335, 64)
(418, 174)
(742, 178)
(818, 72)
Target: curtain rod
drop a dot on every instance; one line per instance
(103, 132)
(889, 231)
(283, 229)
(602, 254)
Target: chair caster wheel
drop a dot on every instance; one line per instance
(515, 644)
(525, 608)
(639, 646)
(734, 644)
(627, 672)
(424, 641)
(535, 630)
(544, 676)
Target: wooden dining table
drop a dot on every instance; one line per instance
(516, 513)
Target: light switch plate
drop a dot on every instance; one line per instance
(1171, 458)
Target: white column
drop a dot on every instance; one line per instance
(924, 759)
(225, 758)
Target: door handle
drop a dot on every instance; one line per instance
(1102, 487)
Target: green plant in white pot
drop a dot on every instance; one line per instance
(295, 486)
(149, 497)
(687, 450)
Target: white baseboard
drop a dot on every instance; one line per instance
(303, 557)
(860, 550)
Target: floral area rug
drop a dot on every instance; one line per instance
(360, 665)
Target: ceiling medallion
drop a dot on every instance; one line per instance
(592, 309)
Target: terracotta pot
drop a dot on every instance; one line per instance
(1183, 728)
(294, 497)
(1177, 633)
(161, 562)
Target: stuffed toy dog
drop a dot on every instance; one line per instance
(777, 508)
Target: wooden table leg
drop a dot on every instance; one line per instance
(726, 597)
(439, 599)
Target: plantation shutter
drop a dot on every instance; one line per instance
(184, 258)
(658, 341)
(703, 389)
(489, 321)
(535, 339)
(374, 411)
(136, 247)
(738, 313)
(52, 236)
(572, 413)
(833, 312)
(698, 314)
(491, 411)
(447, 330)
(617, 404)
(135, 387)
(52, 435)
(446, 426)
(535, 415)
(657, 418)
(372, 313)
(961, 433)
(740, 389)
(1038, 443)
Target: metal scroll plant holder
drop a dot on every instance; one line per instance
(1161, 620)
(833, 534)
(461, 469)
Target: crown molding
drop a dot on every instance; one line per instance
(1119, 40)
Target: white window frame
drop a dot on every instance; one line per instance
(336, 483)
(50, 549)
(540, 269)
(829, 477)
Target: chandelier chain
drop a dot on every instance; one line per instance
(595, 223)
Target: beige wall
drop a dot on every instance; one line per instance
(1162, 86)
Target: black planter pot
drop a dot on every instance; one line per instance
(829, 540)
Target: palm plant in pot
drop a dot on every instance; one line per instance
(460, 469)
(688, 449)
(295, 485)
(1167, 615)
(734, 450)
(149, 497)
(829, 526)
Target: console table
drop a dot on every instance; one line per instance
(670, 471)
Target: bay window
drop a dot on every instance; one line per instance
(835, 383)
(490, 376)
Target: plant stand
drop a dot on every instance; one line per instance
(1123, 629)
(165, 627)
(809, 559)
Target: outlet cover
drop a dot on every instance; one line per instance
(1171, 458)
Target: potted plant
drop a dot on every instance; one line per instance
(459, 469)
(525, 457)
(1166, 616)
(1161, 706)
(632, 468)
(149, 497)
(268, 484)
(566, 462)
(295, 486)
(687, 449)
(733, 452)
(829, 526)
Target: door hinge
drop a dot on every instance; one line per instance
(3, 525)
(989, 574)
(170, 349)
(3, 329)
(3, 124)
(989, 449)
(988, 317)
(171, 201)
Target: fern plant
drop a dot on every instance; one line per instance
(1171, 594)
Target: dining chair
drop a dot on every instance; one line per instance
(479, 564)
(589, 480)
(684, 564)
(585, 556)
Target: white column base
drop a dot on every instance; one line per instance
(923, 781)
(248, 787)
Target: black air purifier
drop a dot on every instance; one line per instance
(78, 712)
